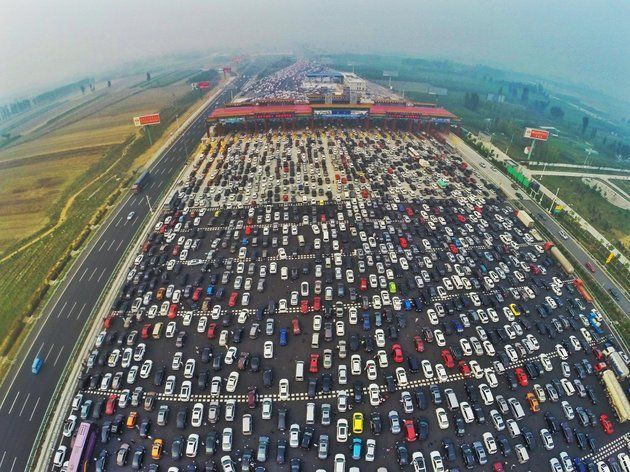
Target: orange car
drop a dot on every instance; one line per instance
(156, 450)
(533, 402)
(131, 419)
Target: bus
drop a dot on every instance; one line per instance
(83, 447)
(617, 364)
(616, 395)
(140, 181)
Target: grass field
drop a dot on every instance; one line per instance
(52, 187)
(622, 184)
(611, 221)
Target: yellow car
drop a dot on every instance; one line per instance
(392, 288)
(533, 402)
(514, 310)
(357, 423)
(156, 450)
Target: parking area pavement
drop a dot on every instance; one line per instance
(338, 298)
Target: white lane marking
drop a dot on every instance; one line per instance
(119, 244)
(110, 245)
(24, 404)
(48, 353)
(59, 354)
(102, 244)
(92, 274)
(13, 465)
(101, 276)
(71, 310)
(118, 222)
(62, 308)
(34, 408)
(13, 404)
(39, 350)
(83, 274)
(81, 311)
(2, 460)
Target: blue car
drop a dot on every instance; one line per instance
(357, 444)
(37, 365)
(210, 290)
(366, 321)
(283, 337)
(407, 304)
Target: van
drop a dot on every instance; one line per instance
(157, 330)
(513, 429)
(315, 341)
(301, 241)
(299, 371)
(247, 424)
(516, 408)
(521, 453)
(451, 399)
(310, 413)
(624, 461)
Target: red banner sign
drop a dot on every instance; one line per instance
(405, 116)
(538, 134)
(144, 120)
(262, 116)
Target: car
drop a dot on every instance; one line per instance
(606, 424)
(442, 418)
(402, 453)
(342, 430)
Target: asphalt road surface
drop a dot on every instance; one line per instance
(25, 397)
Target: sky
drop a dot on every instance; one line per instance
(45, 42)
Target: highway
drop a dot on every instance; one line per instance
(494, 175)
(26, 397)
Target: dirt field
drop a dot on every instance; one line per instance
(34, 174)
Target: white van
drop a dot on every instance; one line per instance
(513, 429)
(451, 399)
(299, 371)
(521, 453)
(315, 341)
(310, 413)
(247, 424)
(516, 408)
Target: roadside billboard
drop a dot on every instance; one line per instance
(144, 120)
(537, 134)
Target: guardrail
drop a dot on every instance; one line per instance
(90, 325)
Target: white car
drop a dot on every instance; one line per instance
(355, 364)
(374, 393)
(442, 418)
(427, 369)
(268, 350)
(489, 442)
(342, 430)
(370, 369)
(379, 337)
(401, 377)
(197, 415)
(232, 381)
(342, 374)
(283, 389)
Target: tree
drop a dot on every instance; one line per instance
(83, 89)
(109, 83)
(557, 113)
(471, 101)
(525, 95)
(593, 133)
(148, 76)
(584, 123)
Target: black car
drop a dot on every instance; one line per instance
(296, 464)
(282, 419)
(212, 439)
(504, 444)
(552, 423)
(580, 438)
(467, 456)
(376, 423)
(529, 438)
(403, 453)
(177, 447)
(307, 438)
(422, 428)
(567, 432)
(421, 399)
(449, 450)
(281, 451)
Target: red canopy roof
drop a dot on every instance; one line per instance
(252, 110)
(429, 112)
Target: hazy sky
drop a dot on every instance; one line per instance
(43, 42)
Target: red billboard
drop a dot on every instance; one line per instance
(262, 116)
(203, 85)
(144, 120)
(538, 134)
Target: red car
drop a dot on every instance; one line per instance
(464, 368)
(521, 377)
(107, 322)
(453, 248)
(112, 401)
(397, 353)
(172, 311)
(600, 366)
(607, 425)
(497, 467)
(590, 267)
(418, 344)
(176, 250)
(296, 326)
(233, 299)
(304, 307)
(317, 303)
(403, 243)
(410, 431)
(248, 230)
(212, 330)
(197, 294)
(599, 355)
(363, 284)
(146, 331)
(448, 358)
(252, 397)
(313, 367)
(409, 212)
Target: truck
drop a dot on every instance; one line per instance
(616, 395)
(140, 181)
(616, 362)
(525, 218)
(595, 320)
(579, 286)
(536, 235)
(558, 256)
